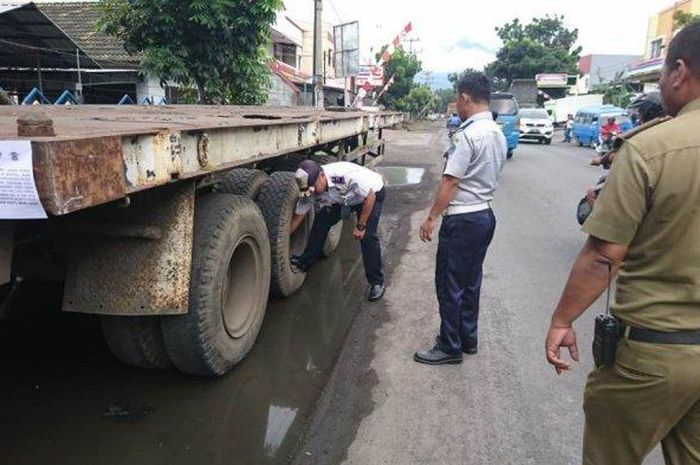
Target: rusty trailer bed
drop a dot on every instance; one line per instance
(103, 153)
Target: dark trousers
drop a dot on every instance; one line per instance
(464, 240)
(371, 250)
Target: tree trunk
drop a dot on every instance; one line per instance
(201, 92)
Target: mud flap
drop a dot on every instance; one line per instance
(134, 260)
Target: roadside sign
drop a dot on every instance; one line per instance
(552, 80)
(347, 49)
(371, 75)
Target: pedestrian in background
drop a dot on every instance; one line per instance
(646, 224)
(472, 170)
(568, 128)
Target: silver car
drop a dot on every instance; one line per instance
(536, 126)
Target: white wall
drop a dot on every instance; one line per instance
(149, 87)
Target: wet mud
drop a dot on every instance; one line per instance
(65, 400)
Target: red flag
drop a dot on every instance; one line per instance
(396, 41)
(408, 28)
(386, 56)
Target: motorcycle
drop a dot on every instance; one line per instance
(606, 142)
(585, 205)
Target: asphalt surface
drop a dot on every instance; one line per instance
(504, 405)
(65, 400)
(331, 379)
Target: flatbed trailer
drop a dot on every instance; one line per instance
(172, 222)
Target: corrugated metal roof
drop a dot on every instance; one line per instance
(54, 30)
(78, 20)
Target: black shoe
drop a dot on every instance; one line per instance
(297, 266)
(435, 356)
(376, 292)
(466, 350)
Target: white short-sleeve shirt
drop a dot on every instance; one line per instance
(476, 157)
(348, 184)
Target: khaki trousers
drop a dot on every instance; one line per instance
(650, 395)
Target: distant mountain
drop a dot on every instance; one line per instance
(435, 80)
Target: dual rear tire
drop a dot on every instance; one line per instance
(241, 255)
(229, 285)
(228, 288)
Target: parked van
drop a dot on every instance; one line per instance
(506, 107)
(589, 120)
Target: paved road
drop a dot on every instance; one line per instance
(503, 406)
(65, 400)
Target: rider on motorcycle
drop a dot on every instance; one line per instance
(651, 112)
(609, 130)
(453, 125)
(454, 121)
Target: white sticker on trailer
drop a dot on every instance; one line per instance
(19, 199)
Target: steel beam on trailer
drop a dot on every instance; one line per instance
(75, 172)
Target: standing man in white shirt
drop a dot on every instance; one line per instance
(330, 188)
(472, 172)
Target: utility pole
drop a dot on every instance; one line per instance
(318, 53)
(79, 85)
(38, 72)
(410, 44)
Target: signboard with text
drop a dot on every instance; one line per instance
(371, 75)
(552, 80)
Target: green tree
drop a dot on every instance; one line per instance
(681, 19)
(403, 66)
(419, 101)
(616, 92)
(218, 47)
(545, 45)
(444, 98)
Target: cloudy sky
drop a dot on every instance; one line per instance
(455, 34)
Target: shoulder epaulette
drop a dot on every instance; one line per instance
(608, 158)
(638, 130)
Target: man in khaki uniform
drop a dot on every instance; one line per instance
(646, 225)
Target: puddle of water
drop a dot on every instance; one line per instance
(65, 400)
(397, 176)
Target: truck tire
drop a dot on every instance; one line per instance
(323, 159)
(242, 181)
(289, 162)
(228, 288)
(136, 340)
(333, 240)
(277, 200)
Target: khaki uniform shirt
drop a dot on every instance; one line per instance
(651, 202)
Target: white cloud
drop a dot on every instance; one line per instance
(605, 27)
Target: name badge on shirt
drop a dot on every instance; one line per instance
(338, 179)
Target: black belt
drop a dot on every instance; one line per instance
(661, 337)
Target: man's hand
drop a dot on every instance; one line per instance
(559, 337)
(426, 230)
(359, 235)
(297, 220)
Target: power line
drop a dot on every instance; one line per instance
(336, 11)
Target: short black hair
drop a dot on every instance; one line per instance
(476, 85)
(686, 46)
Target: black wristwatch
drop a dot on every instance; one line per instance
(360, 226)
